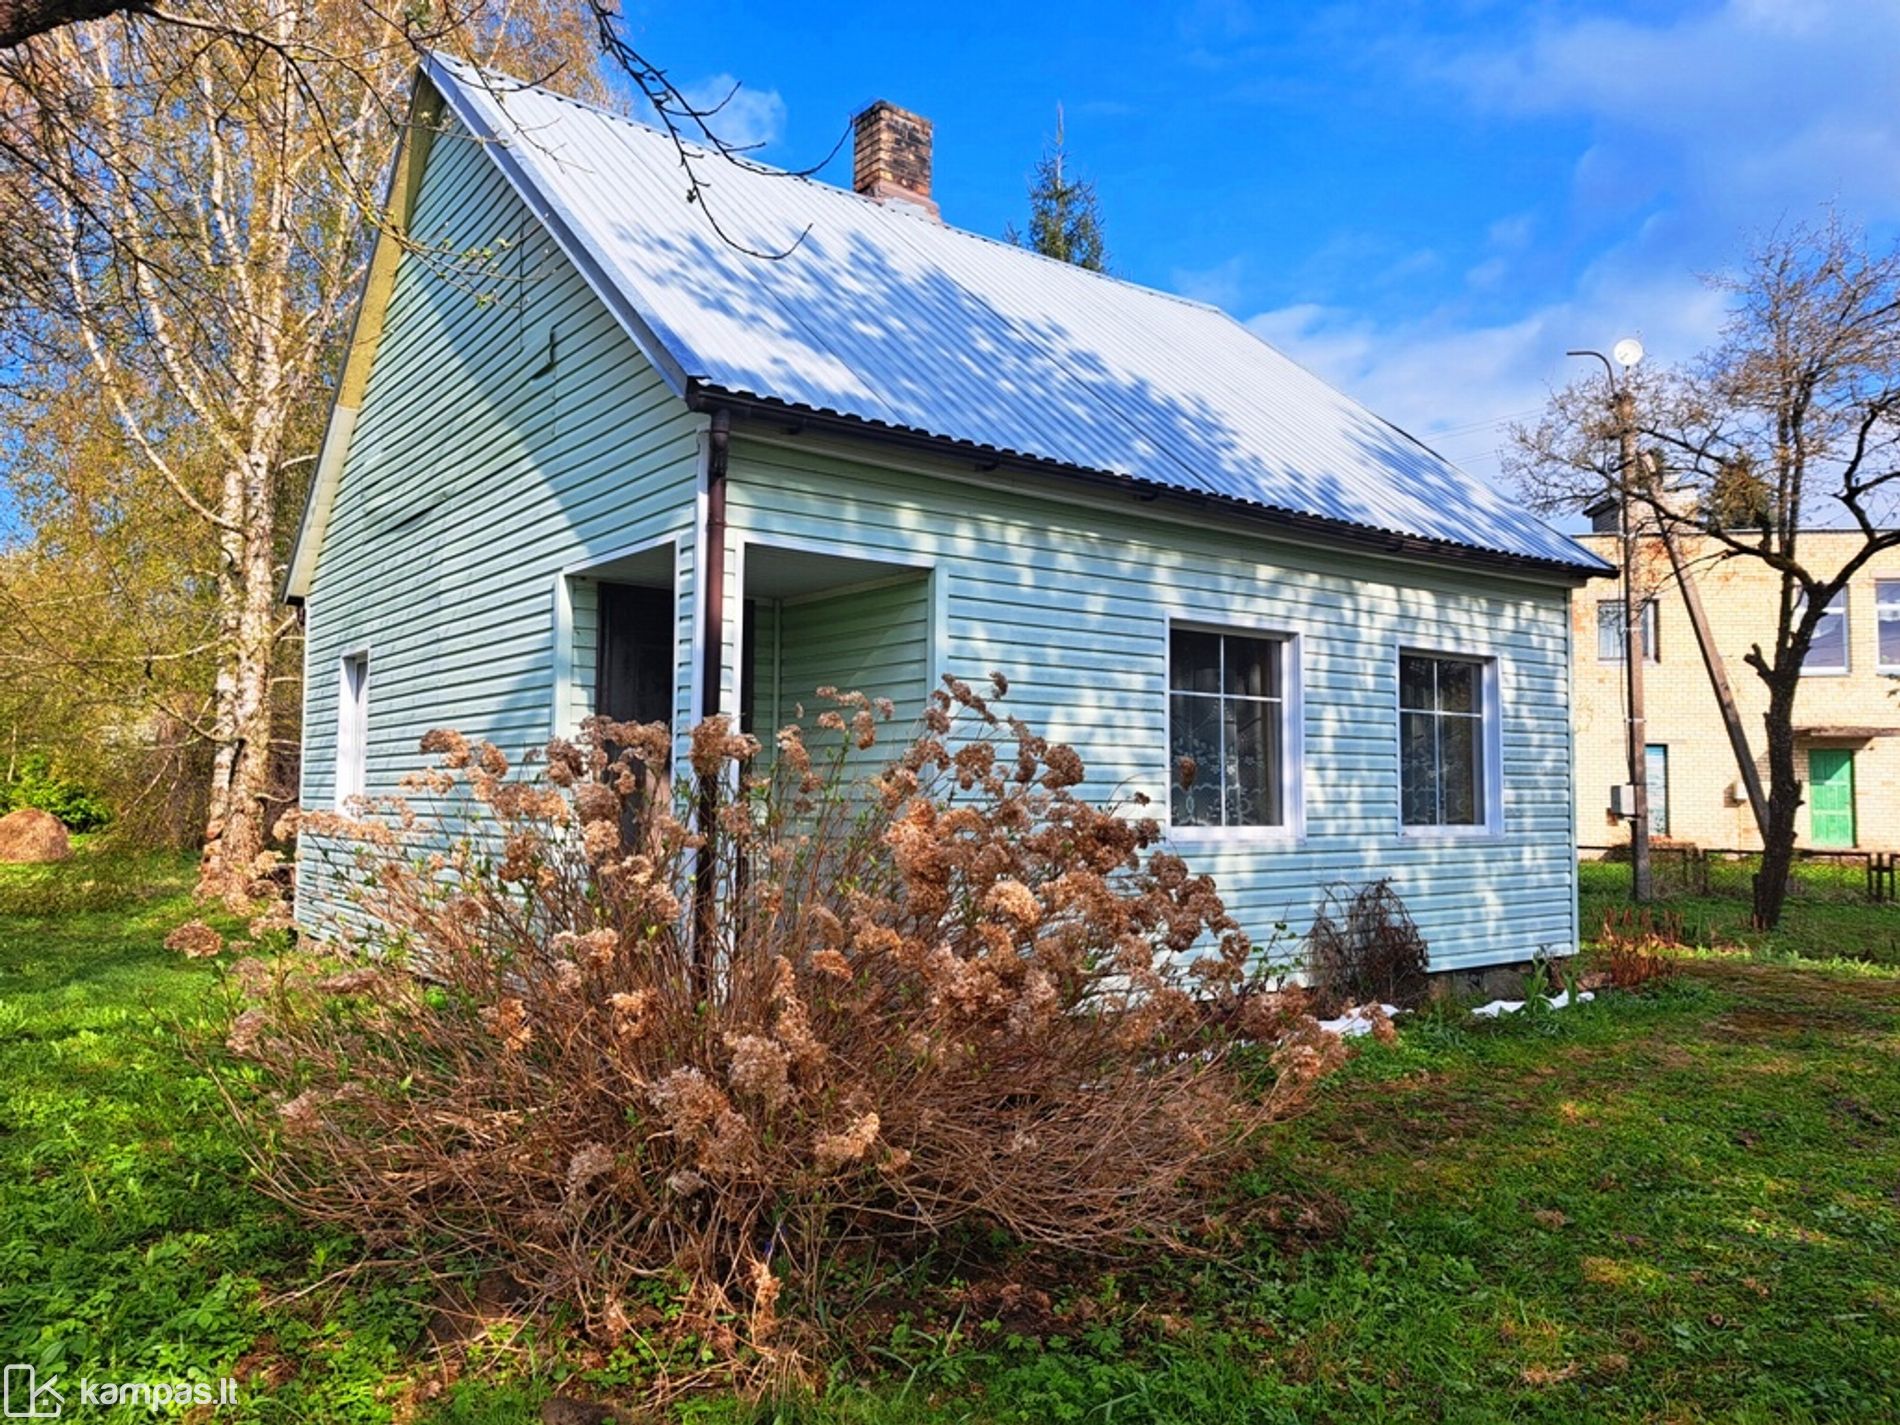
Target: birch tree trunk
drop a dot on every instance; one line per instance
(241, 796)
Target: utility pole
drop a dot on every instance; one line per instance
(1623, 412)
(1718, 679)
(1634, 651)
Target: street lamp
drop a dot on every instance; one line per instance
(1627, 353)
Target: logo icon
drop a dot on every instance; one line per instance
(23, 1397)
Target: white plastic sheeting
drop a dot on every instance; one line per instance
(1357, 1020)
(1560, 1000)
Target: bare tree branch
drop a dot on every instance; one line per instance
(1796, 409)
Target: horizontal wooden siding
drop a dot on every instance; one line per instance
(1073, 600)
(510, 430)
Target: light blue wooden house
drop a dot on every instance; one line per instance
(629, 466)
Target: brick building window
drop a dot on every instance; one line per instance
(1887, 617)
(1827, 652)
(1610, 632)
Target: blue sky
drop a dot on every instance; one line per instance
(1426, 203)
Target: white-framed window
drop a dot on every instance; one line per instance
(1827, 651)
(1887, 623)
(1448, 743)
(1610, 631)
(1233, 730)
(352, 728)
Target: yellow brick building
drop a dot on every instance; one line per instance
(1847, 714)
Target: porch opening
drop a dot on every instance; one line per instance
(819, 620)
(625, 653)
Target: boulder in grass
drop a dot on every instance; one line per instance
(32, 835)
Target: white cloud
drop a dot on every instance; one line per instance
(1701, 131)
(1456, 386)
(1511, 232)
(1219, 285)
(1749, 104)
(1488, 273)
(746, 118)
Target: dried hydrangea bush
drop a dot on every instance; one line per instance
(716, 1032)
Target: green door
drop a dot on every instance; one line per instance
(1831, 795)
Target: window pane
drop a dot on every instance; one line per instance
(1193, 661)
(1194, 731)
(1609, 631)
(1253, 763)
(1253, 667)
(1457, 686)
(1418, 768)
(1829, 647)
(1415, 682)
(1887, 595)
(1656, 765)
(1460, 770)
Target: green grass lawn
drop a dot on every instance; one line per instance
(1827, 917)
(1683, 1205)
(130, 1245)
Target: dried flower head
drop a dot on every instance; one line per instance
(596, 802)
(1013, 899)
(277, 915)
(1064, 767)
(304, 1113)
(255, 976)
(508, 1022)
(831, 1151)
(601, 838)
(590, 1161)
(833, 965)
(245, 1030)
(708, 744)
(349, 982)
(447, 746)
(195, 940)
(759, 1068)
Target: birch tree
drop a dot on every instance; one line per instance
(184, 210)
(1791, 420)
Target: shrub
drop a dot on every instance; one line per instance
(35, 783)
(1365, 947)
(1634, 943)
(848, 1016)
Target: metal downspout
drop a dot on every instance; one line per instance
(712, 676)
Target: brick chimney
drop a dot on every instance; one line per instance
(891, 155)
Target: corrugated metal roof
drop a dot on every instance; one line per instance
(882, 314)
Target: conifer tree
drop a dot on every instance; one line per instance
(1065, 216)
